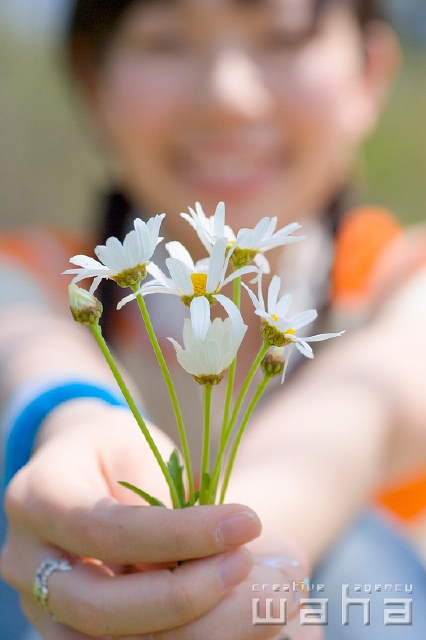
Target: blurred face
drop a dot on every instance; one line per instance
(248, 102)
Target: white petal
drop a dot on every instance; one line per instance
(212, 358)
(228, 233)
(216, 268)
(259, 231)
(282, 237)
(303, 347)
(259, 290)
(235, 316)
(190, 219)
(199, 213)
(187, 362)
(283, 305)
(200, 317)
(254, 300)
(240, 272)
(175, 344)
(132, 250)
(111, 254)
(202, 266)
(323, 336)
(262, 263)
(244, 238)
(264, 314)
(156, 273)
(95, 284)
(219, 220)
(177, 251)
(273, 291)
(271, 228)
(82, 274)
(146, 244)
(180, 274)
(282, 324)
(302, 319)
(86, 262)
(290, 349)
(125, 300)
(188, 335)
(153, 226)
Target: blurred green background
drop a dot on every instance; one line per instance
(49, 171)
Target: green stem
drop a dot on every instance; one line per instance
(262, 351)
(205, 460)
(227, 429)
(97, 332)
(233, 366)
(256, 397)
(172, 393)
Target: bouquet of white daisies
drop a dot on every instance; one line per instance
(210, 347)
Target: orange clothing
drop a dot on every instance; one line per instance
(373, 257)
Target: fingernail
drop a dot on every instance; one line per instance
(290, 567)
(292, 571)
(234, 567)
(279, 561)
(238, 529)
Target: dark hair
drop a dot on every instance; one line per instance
(94, 21)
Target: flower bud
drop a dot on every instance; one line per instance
(85, 308)
(273, 362)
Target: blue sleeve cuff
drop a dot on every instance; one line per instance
(24, 423)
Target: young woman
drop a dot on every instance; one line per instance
(262, 104)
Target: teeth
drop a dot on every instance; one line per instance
(224, 174)
(228, 168)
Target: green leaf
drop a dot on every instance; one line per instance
(206, 481)
(142, 494)
(176, 471)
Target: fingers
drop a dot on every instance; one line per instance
(100, 527)
(233, 616)
(229, 621)
(96, 602)
(296, 631)
(47, 628)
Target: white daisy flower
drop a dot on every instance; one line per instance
(189, 280)
(209, 230)
(210, 346)
(123, 262)
(277, 328)
(249, 244)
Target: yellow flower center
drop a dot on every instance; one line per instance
(199, 281)
(290, 331)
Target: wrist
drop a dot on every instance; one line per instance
(32, 405)
(86, 415)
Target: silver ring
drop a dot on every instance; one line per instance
(40, 589)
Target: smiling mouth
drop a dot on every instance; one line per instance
(231, 174)
(236, 163)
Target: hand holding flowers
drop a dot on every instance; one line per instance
(209, 346)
